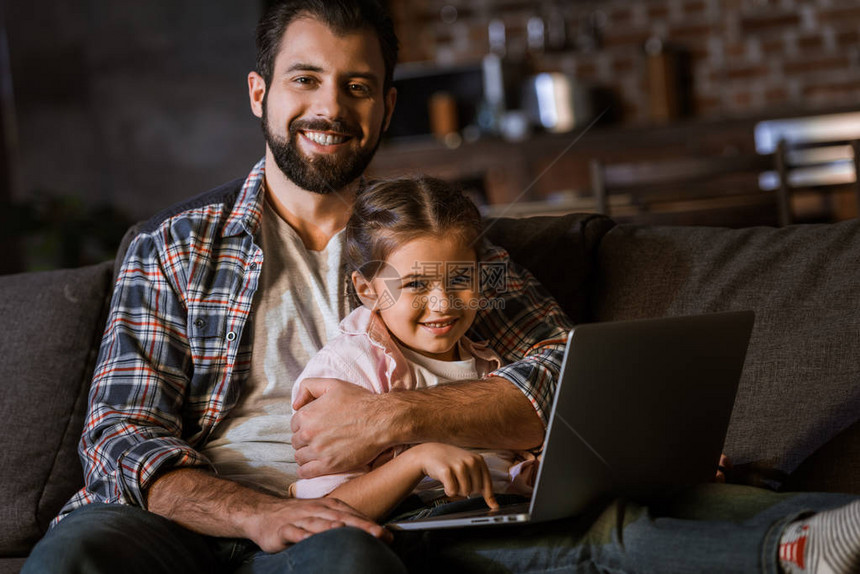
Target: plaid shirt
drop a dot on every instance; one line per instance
(175, 351)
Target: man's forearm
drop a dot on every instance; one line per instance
(209, 505)
(340, 426)
(490, 413)
(205, 503)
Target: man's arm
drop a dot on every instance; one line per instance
(467, 414)
(204, 503)
(134, 423)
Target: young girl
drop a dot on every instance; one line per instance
(411, 244)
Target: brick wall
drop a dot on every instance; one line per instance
(747, 57)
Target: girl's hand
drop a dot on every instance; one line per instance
(462, 473)
(724, 465)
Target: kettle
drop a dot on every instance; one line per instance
(557, 102)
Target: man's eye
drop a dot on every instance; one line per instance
(416, 285)
(359, 89)
(304, 81)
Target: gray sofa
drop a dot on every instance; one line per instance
(795, 423)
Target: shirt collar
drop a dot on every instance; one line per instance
(363, 321)
(248, 209)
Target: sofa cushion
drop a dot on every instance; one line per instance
(54, 321)
(801, 381)
(835, 467)
(11, 565)
(559, 251)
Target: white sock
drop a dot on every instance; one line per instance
(825, 543)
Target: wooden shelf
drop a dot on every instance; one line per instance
(550, 172)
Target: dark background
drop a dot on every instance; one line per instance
(120, 108)
(113, 109)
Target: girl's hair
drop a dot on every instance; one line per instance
(389, 213)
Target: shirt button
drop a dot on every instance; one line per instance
(253, 265)
(200, 323)
(231, 336)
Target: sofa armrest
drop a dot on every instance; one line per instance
(52, 325)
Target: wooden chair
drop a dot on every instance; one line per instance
(713, 190)
(816, 156)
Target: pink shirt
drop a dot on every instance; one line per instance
(365, 354)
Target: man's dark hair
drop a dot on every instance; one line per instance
(341, 16)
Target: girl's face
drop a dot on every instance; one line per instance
(431, 300)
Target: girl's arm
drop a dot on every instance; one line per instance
(462, 473)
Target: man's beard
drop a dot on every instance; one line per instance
(319, 174)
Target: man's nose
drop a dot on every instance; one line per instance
(328, 102)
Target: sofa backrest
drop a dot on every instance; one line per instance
(560, 251)
(801, 382)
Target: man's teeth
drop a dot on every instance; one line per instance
(324, 139)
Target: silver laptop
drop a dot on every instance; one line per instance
(642, 407)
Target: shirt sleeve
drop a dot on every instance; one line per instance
(524, 324)
(134, 424)
(329, 363)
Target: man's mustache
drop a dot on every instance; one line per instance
(322, 125)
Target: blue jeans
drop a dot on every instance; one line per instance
(108, 538)
(709, 529)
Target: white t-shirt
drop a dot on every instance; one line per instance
(299, 302)
(429, 372)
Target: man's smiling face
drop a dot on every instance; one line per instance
(326, 107)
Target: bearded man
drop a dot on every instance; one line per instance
(190, 445)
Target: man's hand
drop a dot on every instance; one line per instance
(337, 426)
(284, 522)
(213, 506)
